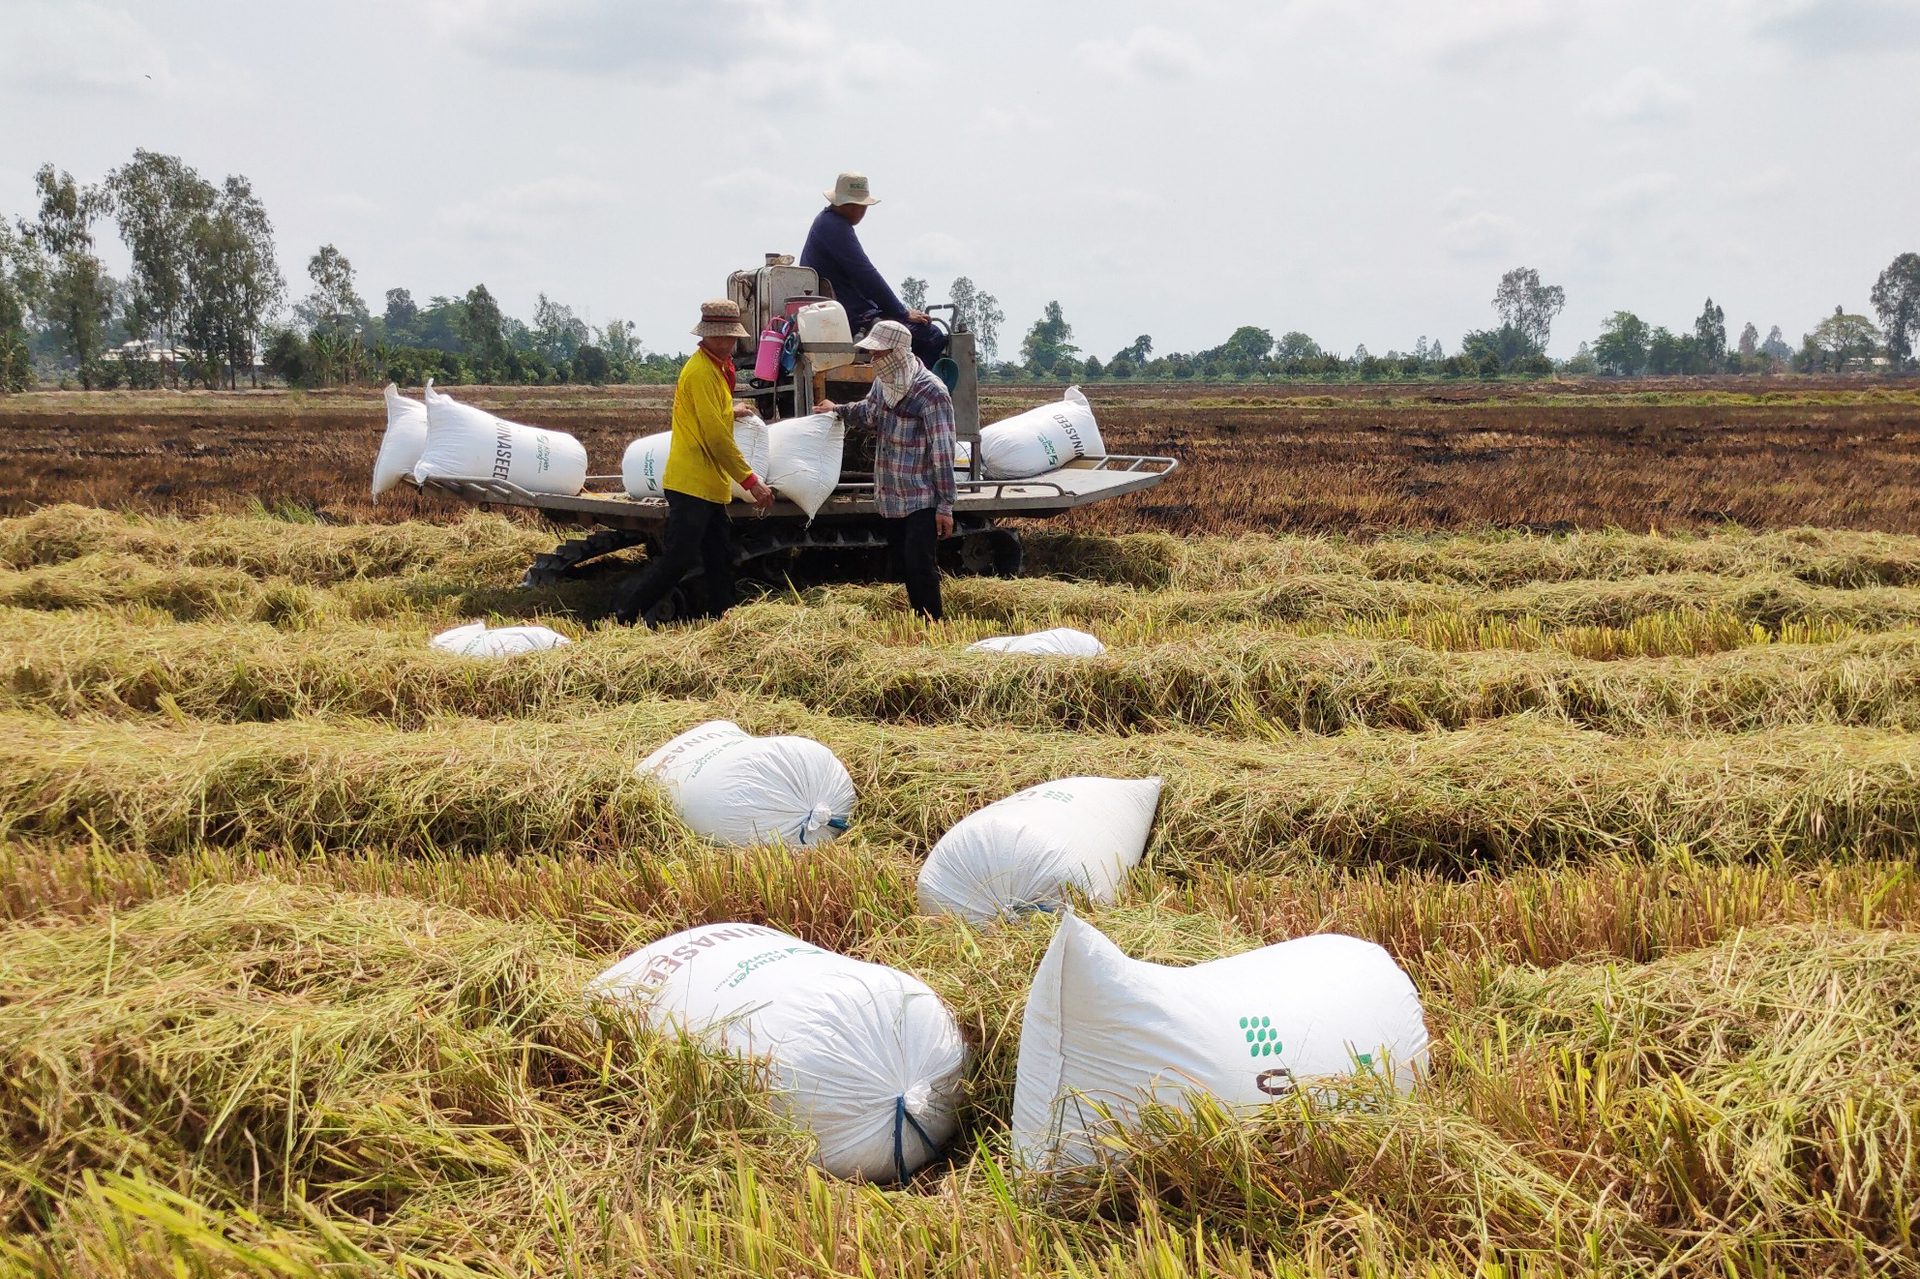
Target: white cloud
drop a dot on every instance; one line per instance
(1771, 180)
(350, 203)
(528, 211)
(1480, 235)
(96, 50)
(1459, 201)
(1016, 121)
(754, 185)
(1467, 36)
(938, 251)
(1641, 96)
(754, 49)
(1150, 53)
(1817, 28)
(670, 36)
(1486, 34)
(1634, 195)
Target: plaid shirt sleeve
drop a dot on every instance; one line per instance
(860, 412)
(938, 423)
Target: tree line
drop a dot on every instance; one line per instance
(333, 339)
(1627, 346)
(204, 303)
(204, 272)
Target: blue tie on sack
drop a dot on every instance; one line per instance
(839, 825)
(902, 1117)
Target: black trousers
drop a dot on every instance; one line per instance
(698, 532)
(911, 551)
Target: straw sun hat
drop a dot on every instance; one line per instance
(850, 188)
(720, 318)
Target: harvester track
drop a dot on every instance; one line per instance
(976, 547)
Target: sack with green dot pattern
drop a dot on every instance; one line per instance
(1103, 1033)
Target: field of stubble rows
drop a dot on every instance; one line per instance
(297, 911)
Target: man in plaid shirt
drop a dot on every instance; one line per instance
(911, 417)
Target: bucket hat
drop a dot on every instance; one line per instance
(850, 188)
(720, 318)
(888, 335)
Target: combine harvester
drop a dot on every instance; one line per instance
(844, 539)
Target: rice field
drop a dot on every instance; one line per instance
(1676, 455)
(295, 911)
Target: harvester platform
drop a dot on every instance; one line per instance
(847, 522)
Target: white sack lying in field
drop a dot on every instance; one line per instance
(1026, 851)
(803, 459)
(865, 1057)
(736, 789)
(476, 640)
(644, 467)
(400, 446)
(1041, 440)
(1061, 641)
(1102, 1028)
(465, 443)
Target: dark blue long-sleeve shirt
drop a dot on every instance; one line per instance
(834, 251)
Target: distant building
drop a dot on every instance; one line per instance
(147, 350)
(153, 351)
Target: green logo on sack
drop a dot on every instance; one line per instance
(1262, 1039)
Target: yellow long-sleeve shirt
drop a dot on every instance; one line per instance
(703, 461)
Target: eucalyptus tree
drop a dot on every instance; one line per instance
(76, 298)
(19, 285)
(233, 279)
(1528, 305)
(1896, 297)
(483, 331)
(157, 201)
(980, 312)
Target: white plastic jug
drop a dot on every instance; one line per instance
(825, 322)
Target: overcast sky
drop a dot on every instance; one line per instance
(1363, 170)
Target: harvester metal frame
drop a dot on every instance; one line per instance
(850, 520)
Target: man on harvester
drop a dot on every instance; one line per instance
(703, 464)
(911, 416)
(833, 252)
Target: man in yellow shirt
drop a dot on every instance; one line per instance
(703, 464)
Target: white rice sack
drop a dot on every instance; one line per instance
(1101, 1028)
(1061, 641)
(643, 468)
(476, 639)
(1026, 851)
(466, 443)
(400, 446)
(751, 437)
(737, 789)
(803, 459)
(865, 1057)
(1041, 440)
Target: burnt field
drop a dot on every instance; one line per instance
(1348, 459)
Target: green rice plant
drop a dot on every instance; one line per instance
(295, 912)
(260, 1063)
(1523, 791)
(262, 547)
(1482, 561)
(840, 660)
(259, 1046)
(1745, 1108)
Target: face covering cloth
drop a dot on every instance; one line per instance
(894, 372)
